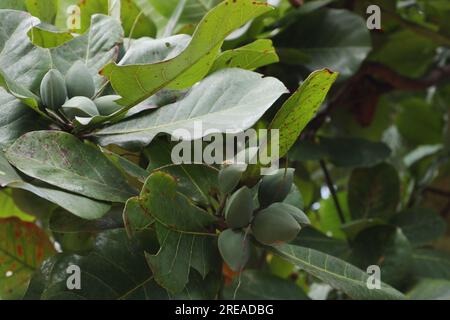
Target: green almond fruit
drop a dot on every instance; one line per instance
(229, 177)
(234, 248)
(53, 90)
(239, 208)
(79, 107)
(276, 187)
(295, 212)
(79, 81)
(274, 225)
(107, 105)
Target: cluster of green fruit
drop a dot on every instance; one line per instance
(71, 96)
(270, 221)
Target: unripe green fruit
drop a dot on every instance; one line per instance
(234, 249)
(239, 209)
(296, 213)
(229, 177)
(276, 187)
(53, 90)
(107, 105)
(273, 225)
(79, 81)
(79, 107)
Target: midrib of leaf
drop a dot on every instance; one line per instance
(308, 262)
(170, 124)
(430, 258)
(138, 286)
(13, 257)
(186, 54)
(172, 228)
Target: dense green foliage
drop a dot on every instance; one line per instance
(89, 104)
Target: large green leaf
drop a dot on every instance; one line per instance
(46, 36)
(135, 23)
(60, 159)
(15, 119)
(430, 289)
(257, 285)
(373, 192)
(386, 247)
(250, 57)
(20, 60)
(337, 273)
(406, 53)
(180, 252)
(419, 123)
(420, 225)
(428, 263)
(314, 239)
(23, 247)
(228, 100)
(147, 50)
(135, 83)
(301, 107)
(45, 10)
(78, 205)
(343, 152)
(62, 221)
(162, 199)
(182, 233)
(337, 39)
(115, 269)
(196, 181)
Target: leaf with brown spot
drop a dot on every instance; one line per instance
(23, 247)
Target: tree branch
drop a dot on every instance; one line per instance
(361, 93)
(330, 185)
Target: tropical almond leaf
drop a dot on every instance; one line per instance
(257, 285)
(127, 276)
(135, 83)
(178, 253)
(301, 107)
(20, 60)
(23, 247)
(228, 100)
(429, 263)
(45, 36)
(334, 38)
(373, 192)
(250, 57)
(336, 272)
(420, 225)
(60, 159)
(78, 205)
(161, 198)
(15, 119)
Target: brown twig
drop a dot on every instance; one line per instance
(330, 185)
(439, 192)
